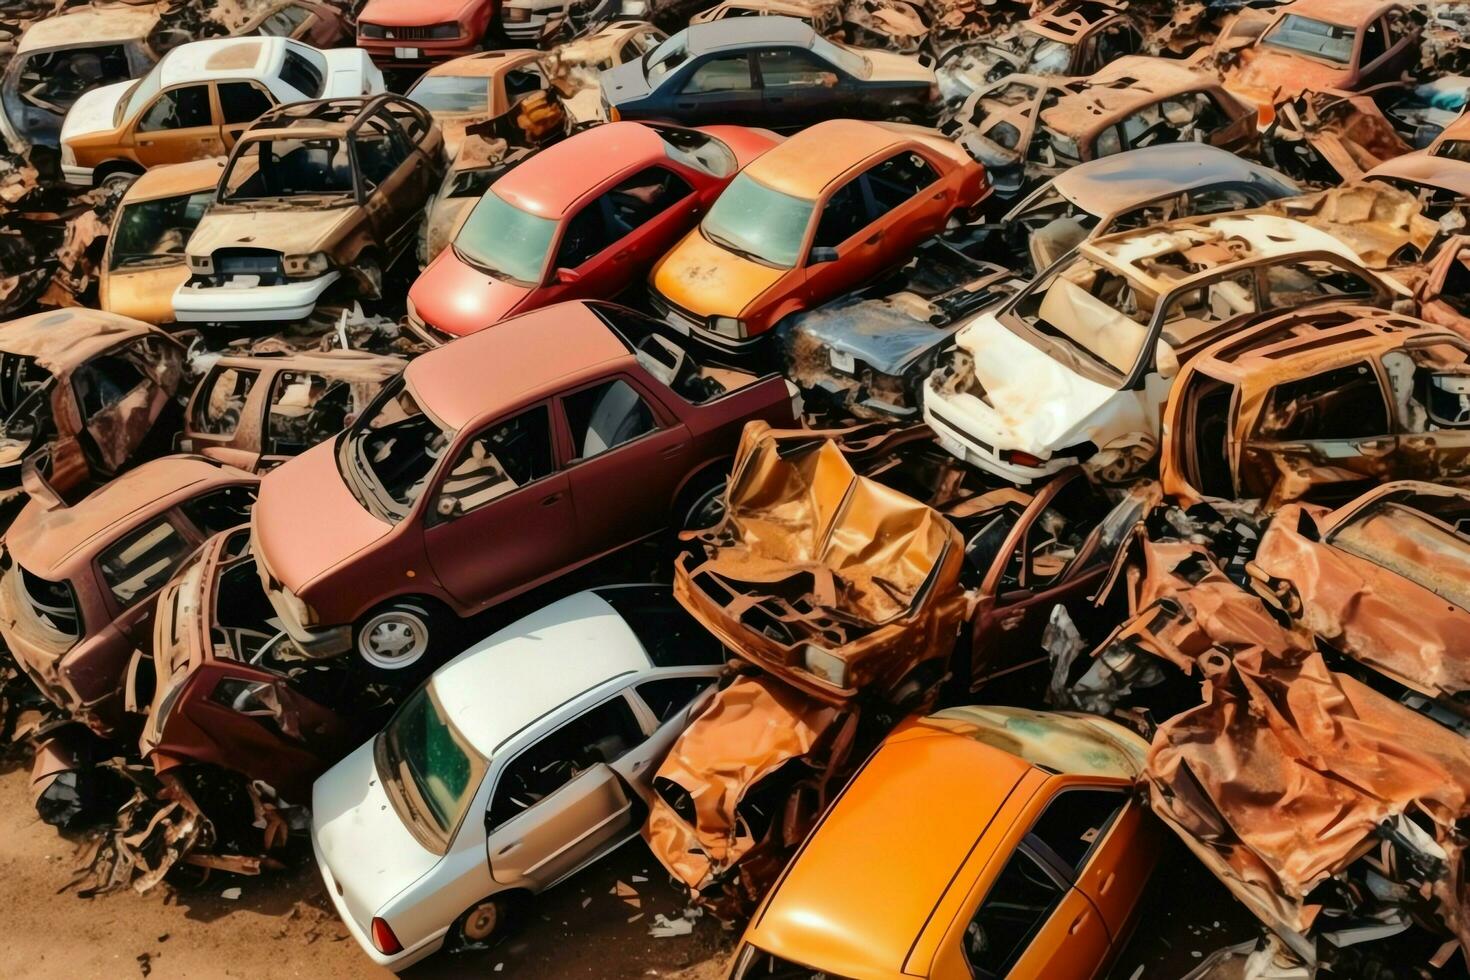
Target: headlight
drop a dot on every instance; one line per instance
(727, 326)
(822, 664)
(371, 30)
(440, 32)
(201, 265)
(516, 15)
(305, 265)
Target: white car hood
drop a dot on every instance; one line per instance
(370, 855)
(94, 111)
(1036, 404)
(350, 72)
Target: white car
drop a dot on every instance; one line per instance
(197, 101)
(521, 761)
(1075, 368)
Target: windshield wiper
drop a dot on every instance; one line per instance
(725, 243)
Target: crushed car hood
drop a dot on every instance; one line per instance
(1032, 402)
(709, 281)
(363, 844)
(290, 230)
(883, 336)
(298, 549)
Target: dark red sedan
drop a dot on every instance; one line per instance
(583, 219)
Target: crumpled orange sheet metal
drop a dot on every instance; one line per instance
(1284, 774)
(831, 559)
(1376, 220)
(748, 731)
(1349, 132)
(1367, 611)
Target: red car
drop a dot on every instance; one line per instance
(492, 465)
(401, 33)
(583, 219)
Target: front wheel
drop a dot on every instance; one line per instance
(396, 638)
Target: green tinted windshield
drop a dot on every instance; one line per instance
(753, 220)
(426, 747)
(502, 239)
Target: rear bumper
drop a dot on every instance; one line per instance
(195, 303)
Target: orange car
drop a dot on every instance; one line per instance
(975, 843)
(825, 211)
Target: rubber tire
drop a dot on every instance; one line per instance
(433, 623)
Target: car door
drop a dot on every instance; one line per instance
(119, 400)
(1430, 383)
(629, 454)
(847, 247)
(908, 201)
(1402, 35)
(797, 87)
(1098, 835)
(386, 166)
(720, 88)
(180, 124)
(220, 408)
(501, 515)
(240, 104)
(304, 409)
(559, 803)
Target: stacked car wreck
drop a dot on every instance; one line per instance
(1029, 445)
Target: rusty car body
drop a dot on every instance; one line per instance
(1380, 580)
(1439, 174)
(1005, 841)
(257, 411)
(1325, 137)
(561, 435)
(78, 588)
(1318, 402)
(501, 94)
(1345, 45)
(144, 260)
(86, 388)
(313, 193)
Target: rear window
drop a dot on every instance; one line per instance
(669, 635)
(54, 604)
(305, 72)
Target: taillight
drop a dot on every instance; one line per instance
(384, 939)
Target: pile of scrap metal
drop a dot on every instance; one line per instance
(1305, 700)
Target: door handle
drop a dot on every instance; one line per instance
(1107, 883)
(685, 105)
(876, 237)
(941, 195)
(508, 848)
(623, 254)
(548, 501)
(146, 142)
(673, 451)
(1078, 923)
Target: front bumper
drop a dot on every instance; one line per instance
(312, 641)
(404, 53)
(82, 176)
(198, 303)
(963, 446)
(396, 962)
(524, 30)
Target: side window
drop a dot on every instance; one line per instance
(1075, 820)
(789, 68)
(586, 235)
(605, 416)
(142, 561)
(899, 179)
(301, 75)
(523, 81)
(182, 108)
(103, 382)
(1115, 42)
(1060, 533)
(1193, 314)
(1373, 44)
(1219, 201)
(1017, 905)
(242, 102)
(1344, 403)
(220, 510)
(668, 696)
(221, 400)
(304, 409)
(380, 151)
(1290, 284)
(601, 735)
(505, 457)
(1107, 143)
(642, 196)
(728, 74)
(842, 217)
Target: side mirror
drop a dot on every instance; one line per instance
(567, 277)
(448, 507)
(1165, 360)
(819, 255)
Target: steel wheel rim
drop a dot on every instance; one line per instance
(481, 923)
(393, 640)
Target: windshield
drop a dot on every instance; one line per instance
(757, 222)
(1422, 537)
(842, 56)
(142, 93)
(154, 232)
(1330, 42)
(500, 238)
(1091, 312)
(1050, 57)
(665, 58)
(288, 168)
(391, 451)
(451, 93)
(433, 769)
